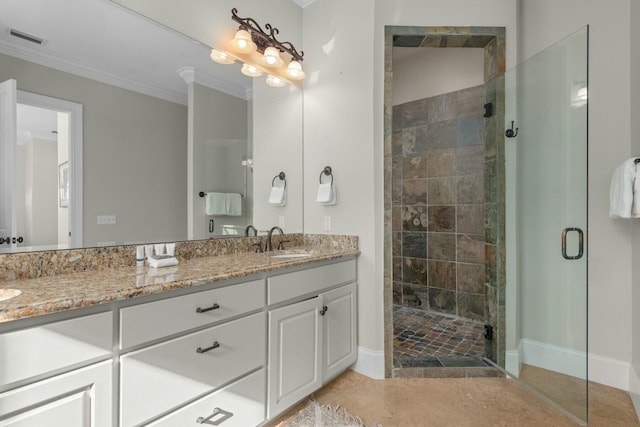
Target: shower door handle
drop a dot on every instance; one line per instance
(580, 243)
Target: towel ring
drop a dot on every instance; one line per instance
(326, 171)
(636, 161)
(282, 176)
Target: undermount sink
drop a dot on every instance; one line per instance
(6, 294)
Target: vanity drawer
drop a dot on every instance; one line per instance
(164, 376)
(42, 349)
(146, 322)
(242, 404)
(292, 285)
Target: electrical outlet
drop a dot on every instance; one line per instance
(327, 223)
(106, 219)
(281, 221)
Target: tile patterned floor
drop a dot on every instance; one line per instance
(427, 339)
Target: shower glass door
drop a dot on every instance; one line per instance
(549, 105)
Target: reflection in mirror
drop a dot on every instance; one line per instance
(146, 156)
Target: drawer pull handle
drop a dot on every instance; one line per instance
(324, 310)
(204, 310)
(216, 411)
(201, 350)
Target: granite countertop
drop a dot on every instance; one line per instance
(46, 295)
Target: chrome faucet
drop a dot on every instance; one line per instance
(250, 227)
(269, 245)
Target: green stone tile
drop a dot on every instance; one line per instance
(454, 41)
(449, 30)
(495, 31)
(432, 41)
(478, 41)
(405, 31)
(408, 41)
(490, 225)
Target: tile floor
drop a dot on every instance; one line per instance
(461, 402)
(428, 340)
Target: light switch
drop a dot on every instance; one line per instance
(106, 219)
(327, 223)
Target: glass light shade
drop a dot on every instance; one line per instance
(242, 42)
(294, 70)
(274, 81)
(271, 57)
(221, 57)
(250, 70)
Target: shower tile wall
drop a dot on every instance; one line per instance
(438, 156)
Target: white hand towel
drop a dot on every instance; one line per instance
(216, 203)
(621, 193)
(326, 194)
(229, 204)
(233, 204)
(162, 262)
(277, 196)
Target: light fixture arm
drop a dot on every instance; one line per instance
(264, 40)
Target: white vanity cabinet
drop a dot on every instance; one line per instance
(312, 340)
(44, 358)
(80, 398)
(227, 344)
(228, 354)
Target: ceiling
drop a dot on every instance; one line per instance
(101, 40)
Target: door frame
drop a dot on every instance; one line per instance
(75, 155)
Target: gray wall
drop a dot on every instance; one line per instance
(215, 117)
(44, 192)
(135, 155)
(635, 259)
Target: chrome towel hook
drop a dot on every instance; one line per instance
(328, 172)
(282, 177)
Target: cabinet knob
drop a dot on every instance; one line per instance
(324, 310)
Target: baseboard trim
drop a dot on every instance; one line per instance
(370, 363)
(554, 358)
(512, 362)
(602, 370)
(634, 389)
(608, 371)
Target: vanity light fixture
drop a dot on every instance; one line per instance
(261, 53)
(274, 81)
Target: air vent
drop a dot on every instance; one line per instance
(27, 37)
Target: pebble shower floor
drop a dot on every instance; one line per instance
(426, 339)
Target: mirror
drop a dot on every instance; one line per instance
(159, 117)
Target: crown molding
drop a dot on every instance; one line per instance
(303, 3)
(191, 75)
(30, 54)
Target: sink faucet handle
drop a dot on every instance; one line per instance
(281, 244)
(258, 247)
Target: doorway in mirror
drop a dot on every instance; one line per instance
(41, 197)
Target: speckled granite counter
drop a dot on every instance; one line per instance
(62, 292)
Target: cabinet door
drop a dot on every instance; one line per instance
(295, 350)
(81, 398)
(339, 331)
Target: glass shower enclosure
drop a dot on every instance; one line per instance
(546, 307)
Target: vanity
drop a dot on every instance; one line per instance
(230, 339)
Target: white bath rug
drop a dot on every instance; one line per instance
(316, 415)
